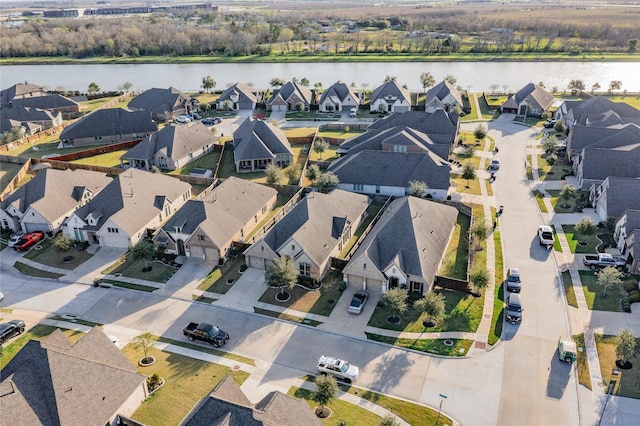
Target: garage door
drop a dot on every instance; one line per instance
(255, 262)
(112, 240)
(279, 108)
(402, 108)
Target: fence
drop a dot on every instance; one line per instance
(329, 127)
(31, 138)
(279, 215)
(13, 184)
(97, 151)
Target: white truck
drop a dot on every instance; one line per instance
(603, 260)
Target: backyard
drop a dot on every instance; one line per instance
(456, 257)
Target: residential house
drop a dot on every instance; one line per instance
(589, 136)
(531, 100)
(228, 405)
(441, 127)
(163, 104)
(338, 97)
(289, 96)
(134, 204)
(584, 112)
(614, 196)
(26, 95)
(31, 120)
(206, 228)
(390, 97)
(106, 126)
(313, 231)
(443, 96)
(47, 200)
(404, 249)
(171, 148)
(390, 173)
(55, 382)
(239, 97)
(395, 139)
(258, 144)
(21, 91)
(627, 238)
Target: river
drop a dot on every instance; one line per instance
(473, 76)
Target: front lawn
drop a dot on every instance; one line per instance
(320, 302)
(465, 186)
(217, 281)
(498, 293)
(549, 172)
(457, 347)
(593, 293)
(627, 382)
(568, 289)
(582, 361)
(456, 256)
(35, 272)
(562, 206)
(580, 243)
(540, 200)
(343, 412)
(132, 268)
(50, 255)
(187, 380)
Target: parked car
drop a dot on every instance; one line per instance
(217, 120)
(513, 280)
(208, 121)
(15, 237)
(28, 240)
(207, 333)
(353, 112)
(196, 116)
(545, 234)
(357, 302)
(183, 119)
(10, 329)
(495, 164)
(338, 368)
(567, 351)
(602, 260)
(514, 308)
(549, 124)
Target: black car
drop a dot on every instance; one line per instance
(549, 124)
(10, 329)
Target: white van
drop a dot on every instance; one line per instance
(495, 164)
(353, 112)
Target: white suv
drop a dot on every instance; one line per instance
(545, 233)
(338, 368)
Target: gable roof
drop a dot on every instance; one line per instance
(110, 122)
(584, 136)
(291, 91)
(133, 199)
(227, 405)
(52, 101)
(441, 91)
(622, 193)
(55, 382)
(53, 193)
(536, 94)
(633, 220)
(598, 163)
(20, 91)
(339, 91)
(397, 169)
(581, 112)
(412, 232)
(245, 92)
(174, 141)
(259, 139)
(25, 116)
(229, 207)
(311, 222)
(440, 126)
(160, 101)
(391, 89)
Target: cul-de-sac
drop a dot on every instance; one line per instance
(308, 254)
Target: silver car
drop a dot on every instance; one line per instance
(338, 368)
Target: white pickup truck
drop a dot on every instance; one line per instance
(602, 260)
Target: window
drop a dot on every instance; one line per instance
(305, 269)
(377, 189)
(358, 187)
(293, 247)
(113, 230)
(200, 237)
(400, 148)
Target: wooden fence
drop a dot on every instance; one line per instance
(13, 184)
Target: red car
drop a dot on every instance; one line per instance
(28, 240)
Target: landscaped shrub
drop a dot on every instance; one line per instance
(343, 285)
(626, 305)
(634, 296)
(630, 286)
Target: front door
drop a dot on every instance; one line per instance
(181, 251)
(393, 283)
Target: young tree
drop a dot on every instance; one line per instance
(566, 193)
(468, 151)
(433, 304)
(478, 232)
(304, 81)
(276, 82)
(585, 226)
(320, 146)
(144, 341)
(607, 278)
(468, 173)
(327, 180)
(293, 173)
(388, 420)
(418, 188)
(479, 277)
(550, 144)
(126, 86)
(451, 79)
(615, 85)
(62, 242)
(427, 80)
(312, 173)
(281, 273)
(389, 78)
(494, 88)
(559, 126)
(576, 86)
(273, 174)
(395, 301)
(208, 83)
(627, 345)
(93, 88)
(595, 86)
(480, 132)
(326, 391)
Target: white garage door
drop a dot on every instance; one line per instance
(279, 108)
(114, 240)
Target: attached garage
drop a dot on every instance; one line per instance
(279, 108)
(115, 240)
(205, 253)
(402, 108)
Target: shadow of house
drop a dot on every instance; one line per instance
(54, 382)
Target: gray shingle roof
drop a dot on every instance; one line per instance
(46, 102)
(441, 91)
(53, 383)
(311, 222)
(397, 169)
(237, 201)
(109, 122)
(633, 220)
(582, 136)
(19, 91)
(292, 91)
(536, 94)
(581, 112)
(622, 193)
(257, 139)
(13, 117)
(53, 193)
(160, 101)
(339, 90)
(440, 126)
(414, 233)
(244, 92)
(391, 89)
(175, 141)
(131, 199)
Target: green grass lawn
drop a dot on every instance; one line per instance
(300, 132)
(568, 289)
(474, 114)
(50, 255)
(634, 101)
(460, 347)
(487, 114)
(561, 206)
(187, 380)
(110, 159)
(339, 134)
(593, 294)
(540, 200)
(320, 302)
(498, 293)
(627, 381)
(465, 186)
(35, 272)
(132, 268)
(573, 238)
(582, 362)
(547, 172)
(349, 414)
(217, 280)
(328, 155)
(456, 257)
(7, 172)
(208, 162)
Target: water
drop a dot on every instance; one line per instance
(474, 76)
